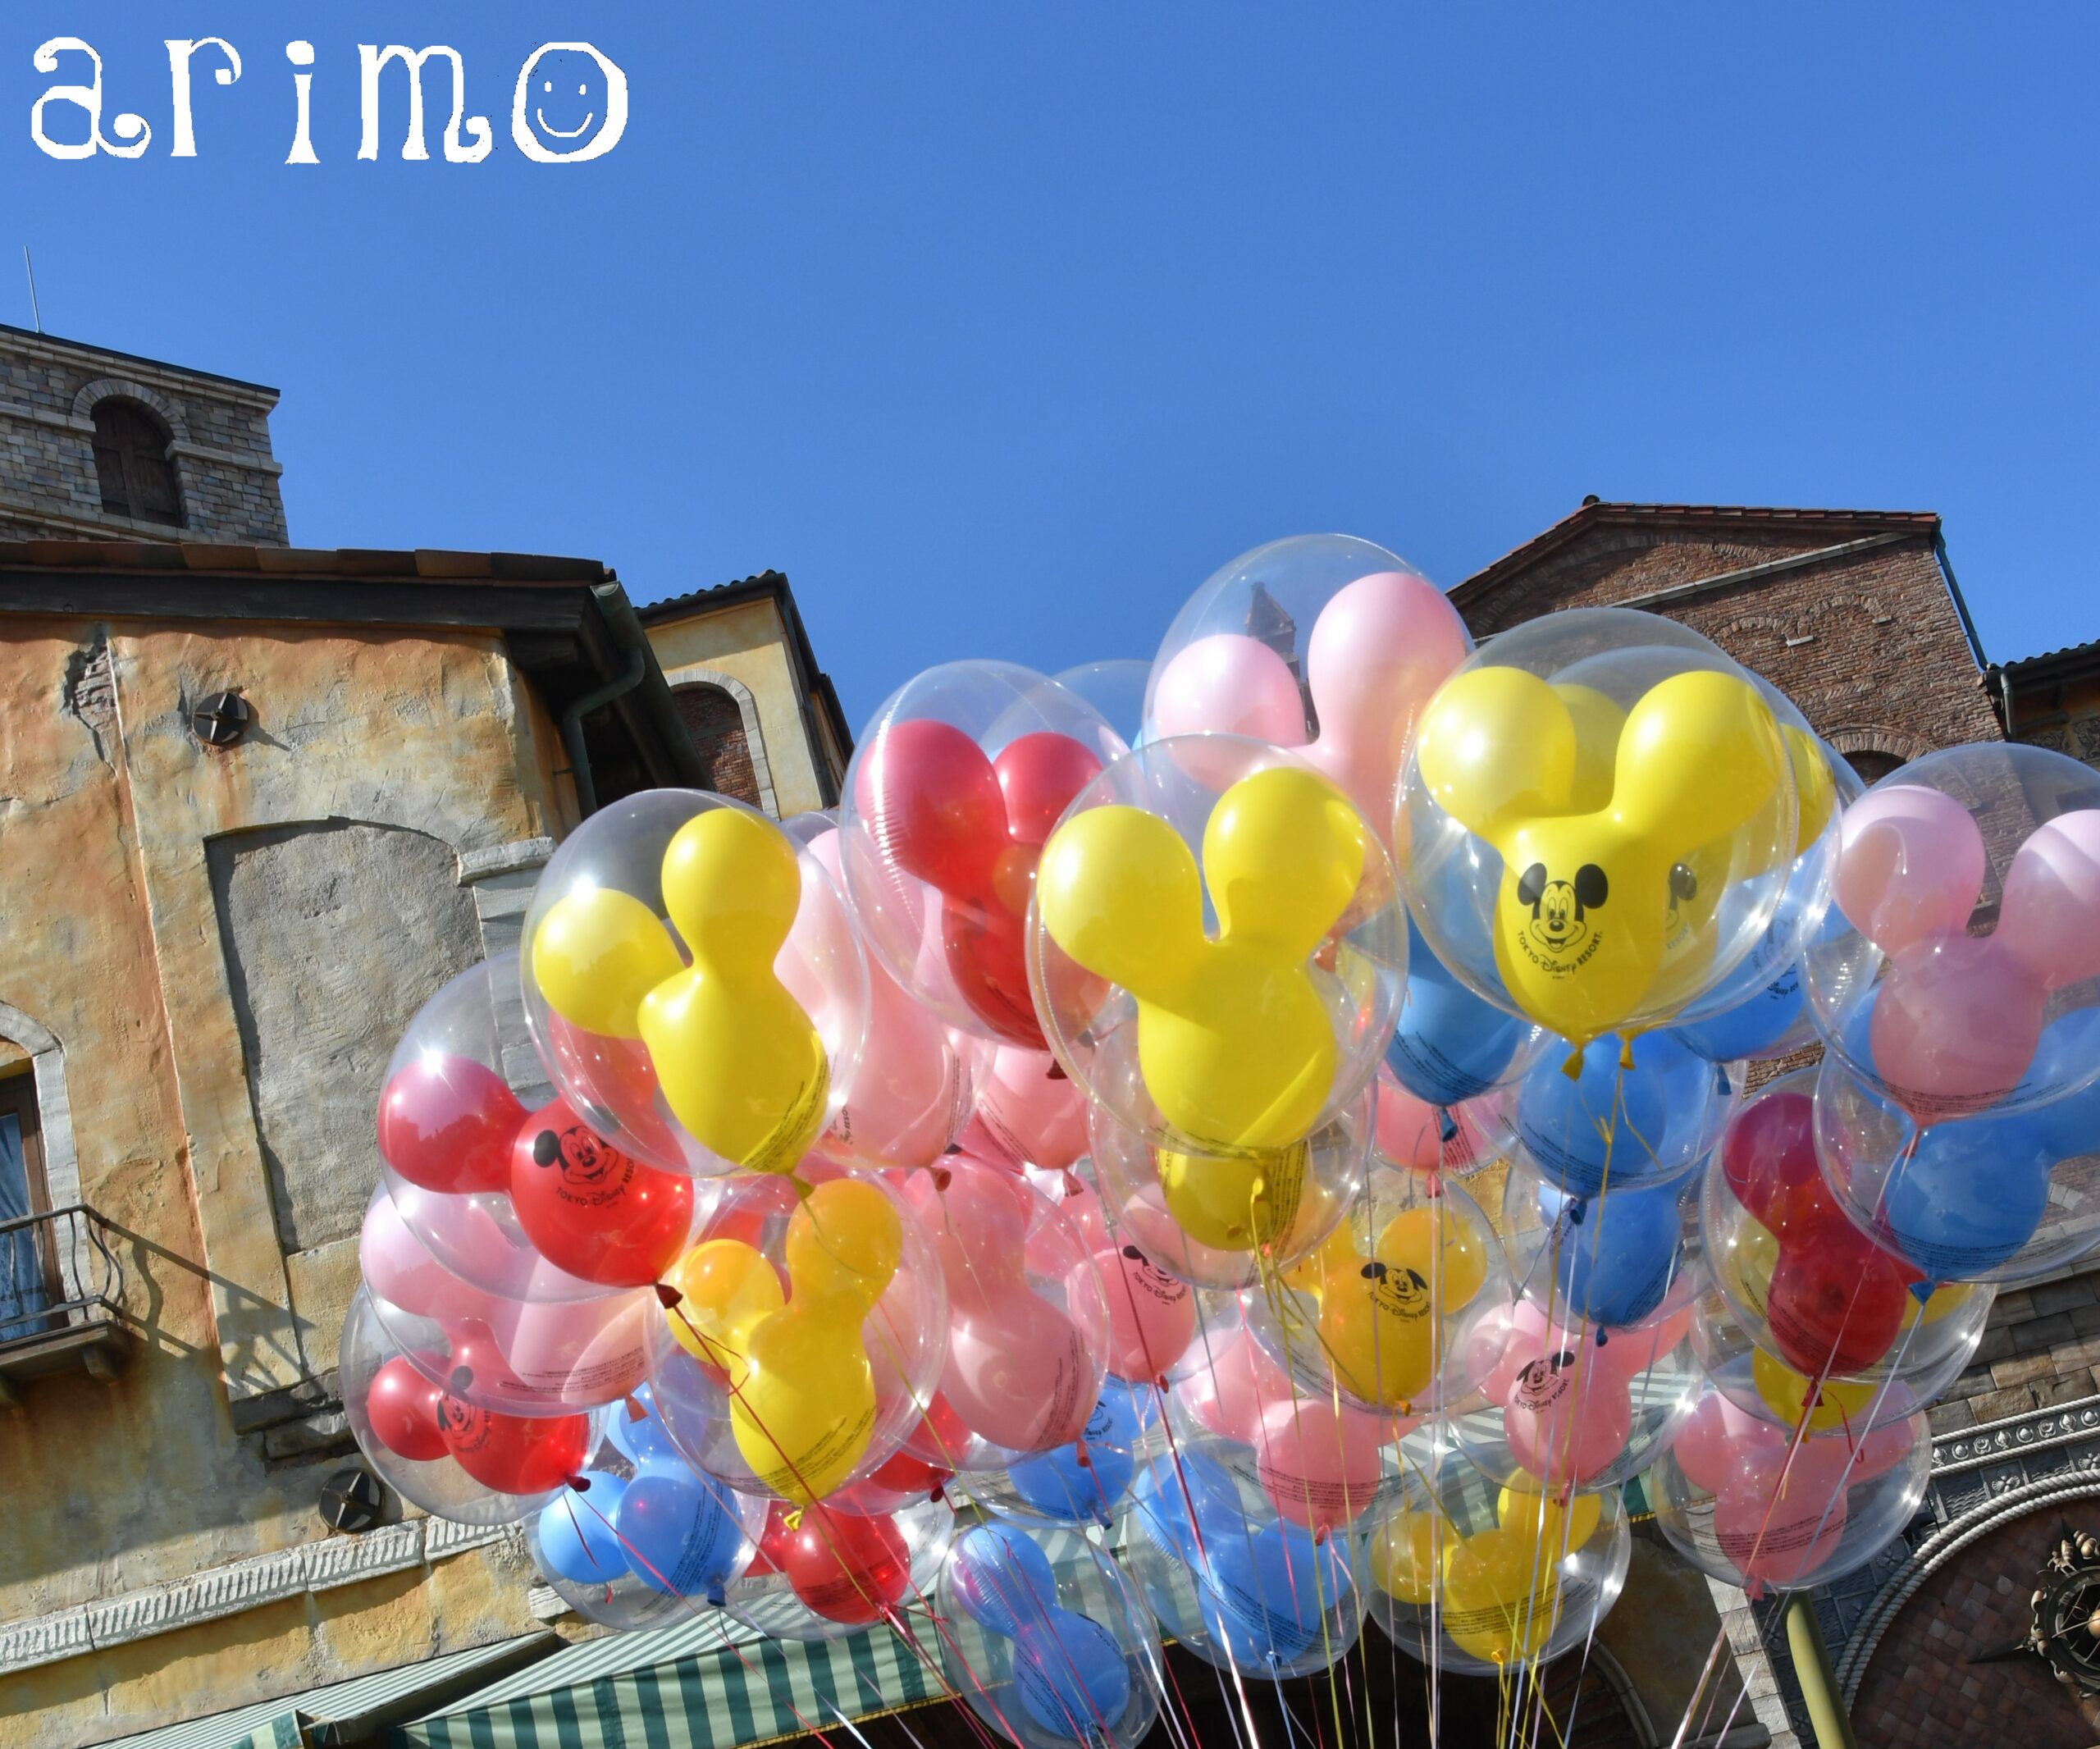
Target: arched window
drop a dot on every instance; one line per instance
(132, 464)
(716, 724)
(1871, 763)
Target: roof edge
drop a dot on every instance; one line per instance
(42, 338)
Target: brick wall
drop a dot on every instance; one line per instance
(220, 447)
(716, 724)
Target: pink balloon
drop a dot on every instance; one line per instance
(1566, 1421)
(2050, 918)
(1018, 1373)
(1717, 1435)
(1776, 1535)
(1319, 1468)
(1152, 1316)
(399, 1267)
(1035, 1114)
(578, 1354)
(1638, 1347)
(1080, 1201)
(1231, 684)
(1882, 1448)
(1380, 646)
(1409, 1132)
(1238, 1386)
(1955, 1025)
(1909, 867)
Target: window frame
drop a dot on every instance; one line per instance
(126, 457)
(18, 1100)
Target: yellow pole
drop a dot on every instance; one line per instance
(1826, 1711)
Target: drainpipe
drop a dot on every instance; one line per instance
(572, 726)
(1826, 1709)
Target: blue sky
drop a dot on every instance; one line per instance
(999, 330)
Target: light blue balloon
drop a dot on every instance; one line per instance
(1617, 1253)
(576, 1536)
(1613, 1128)
(1073, 1678)
(1001, 1577)
(681, 1534)
(645, 1441)
(1264, 1593)
(1759, 1024)
(1449, 1044)
(1971, 1195)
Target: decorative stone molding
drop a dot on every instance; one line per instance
(1982, 1477)
(129, 389)
(54, 1118)
(695, 674)
(236, 1587)
(1878, 738)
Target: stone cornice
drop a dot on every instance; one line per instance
(238, 1586)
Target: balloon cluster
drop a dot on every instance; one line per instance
(1278, 1153)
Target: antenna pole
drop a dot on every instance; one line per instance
(36, 315)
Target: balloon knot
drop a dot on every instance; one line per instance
(1447, 1125)
(1625, 1054)
(668, 1297)
(804, 1189)
(1604, 1335)
(634, 1411)
(581, 1484)
(1080, 1455)
(1721, 1080)
(953, 1148)
(1320, 1537)
(943, 1177)
(1572, 1068)
(1922, 1291)
(792, 1521)
(1056, 1071)
(717, 1597)
(1577, 1207)
(939, 1493)
(1074, 1186)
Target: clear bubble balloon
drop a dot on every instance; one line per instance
(1229, 1578)
(1086, 1482)
(807, 1334)
(1117, 691)
(1808, 1286)
(1324, 643)
(1218, 950)
(1967, 885)
(1599, 817)
(1217, 1220)
(694, 983)
(1047, 1640)
(1737, 1501)
(1628, 1257)
(1481, 1580)
(952, 794)
(393, 1407)
(2003, 1196)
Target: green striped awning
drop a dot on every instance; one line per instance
(759, 1691)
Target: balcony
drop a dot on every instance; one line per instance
(61, 1299)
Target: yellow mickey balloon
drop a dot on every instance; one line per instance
(1235, 1043)
(1412, 1237)
(1234, 1202)
(1838, 1402)
(1594, 898)
(1500, 1598)
(801, 1387)
(1378, 1322)
(740, 1063)
(1403, 1552)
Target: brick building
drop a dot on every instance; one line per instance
(1857, 616)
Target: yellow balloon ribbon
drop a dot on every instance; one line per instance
(1234, 1040)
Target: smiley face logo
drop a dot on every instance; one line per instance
(1560, 920)
(570, 104)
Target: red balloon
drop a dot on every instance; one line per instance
(1836, 1302)
(514, 1454)
(402, 1407)
(973, 829)
(844, 1567)
(446, 1123)
(1768, 1156)
(939, 1434)
(592, 1210)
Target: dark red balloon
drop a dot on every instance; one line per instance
(592, 1210)
(844, 1567)
(973, 829)
(446, 1123)
(1836, 1302)
(514, 1454)
(939, 1435)
(1769, 1155)
(402, 1407)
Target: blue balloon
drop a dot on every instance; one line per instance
(1264, 1593)
(681, 1534)
(1001, 1577)
(1617, 1252)
(644, 1441)
(1754, 1026)
(1609, 1127)
(1073, 1679)
(1059, 1485)
(1169, 1492)
(1449, 1044)
(1971, 1193)
(577, 1534)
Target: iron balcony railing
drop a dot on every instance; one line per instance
(58, 1272)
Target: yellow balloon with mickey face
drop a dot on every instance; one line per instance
(1235, 1040)
(1618, 834)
